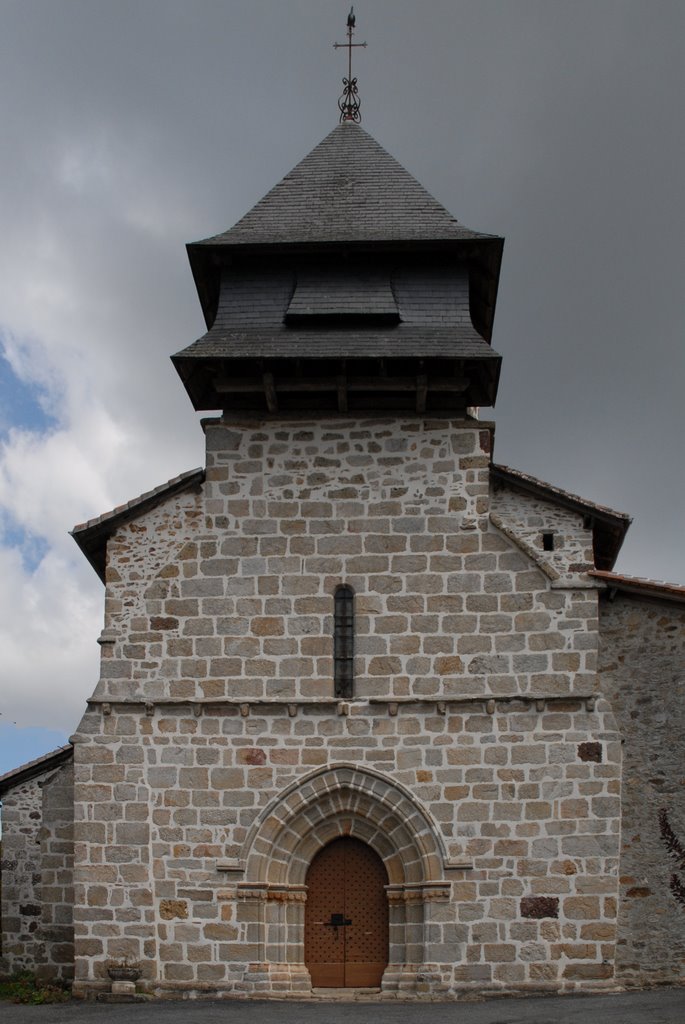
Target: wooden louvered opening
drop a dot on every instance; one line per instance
(346, 916)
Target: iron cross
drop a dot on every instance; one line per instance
(348, 103)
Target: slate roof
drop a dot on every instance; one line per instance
(348, 194)
(340, 293)
(323, 313)
(92, 536)
(256, 307)
(609, 527)
(399, 342)
(40, 765)
(347, 189)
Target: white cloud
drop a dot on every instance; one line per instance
(47, 480)
(50, 622)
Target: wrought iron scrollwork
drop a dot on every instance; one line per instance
(348, 104)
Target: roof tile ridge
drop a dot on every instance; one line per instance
(139, 500)
(621, 577)
(36, 762)
(538, 482)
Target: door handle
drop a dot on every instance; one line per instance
(337, 921)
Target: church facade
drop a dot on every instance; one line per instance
(374, 711)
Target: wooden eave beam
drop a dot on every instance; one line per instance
(342, 393)
(421, 392)
(289, 384)
(270, 392)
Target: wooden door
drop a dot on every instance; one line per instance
(346, 916)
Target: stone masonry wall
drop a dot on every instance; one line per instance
(57, 874)
(22, 945)
(37, 875)
(475, 689)
(642, 658)
(529, 518)
(230, 593)
(511, 793)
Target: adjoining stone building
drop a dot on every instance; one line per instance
(37, 866)
(373, 711)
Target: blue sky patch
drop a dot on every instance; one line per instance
(21, 404)
(17, 745)
(33, 548)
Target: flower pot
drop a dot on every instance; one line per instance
(124, 973)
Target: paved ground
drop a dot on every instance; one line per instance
(665, 1006)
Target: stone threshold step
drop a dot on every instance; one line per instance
(346, 994)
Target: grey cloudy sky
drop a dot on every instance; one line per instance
(129, 127)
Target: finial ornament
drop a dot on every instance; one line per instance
(348, 104)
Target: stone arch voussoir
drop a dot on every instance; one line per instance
(342, 800)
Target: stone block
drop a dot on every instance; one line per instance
(581, 908)
(171, 909)
(123, 988)
(540, 906)
(500, 952)
(588, 972)
(450, 665)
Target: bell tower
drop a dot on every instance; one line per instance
(348, 288)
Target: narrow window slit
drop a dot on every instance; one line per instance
(343, 642)
(548, 541)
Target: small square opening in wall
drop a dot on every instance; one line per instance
(548, 541)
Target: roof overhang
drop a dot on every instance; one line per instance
(32, 769)
(638, 587)
(346, 384)
(92, 536)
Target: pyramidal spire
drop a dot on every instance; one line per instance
(348, 103)
(347, 189)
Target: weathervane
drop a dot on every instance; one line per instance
(348, 103)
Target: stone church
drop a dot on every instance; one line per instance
(374, 711)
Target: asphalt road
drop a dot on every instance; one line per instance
(663, 1006)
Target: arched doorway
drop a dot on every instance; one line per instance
(346, 916)
(331, 803)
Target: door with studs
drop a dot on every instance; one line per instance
(346, 916)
